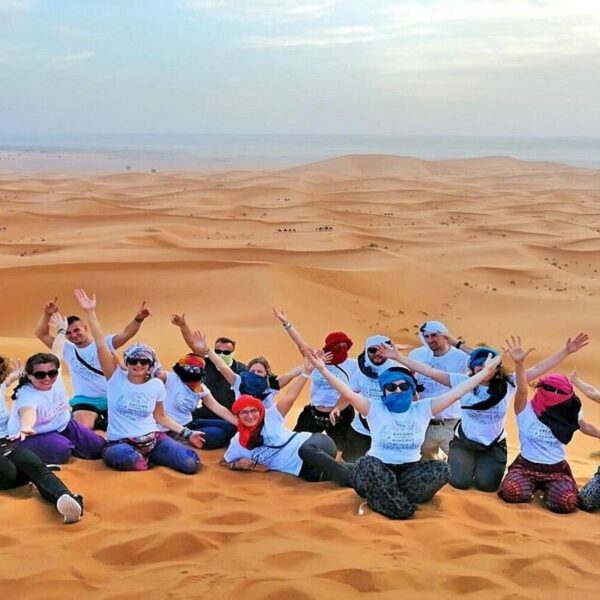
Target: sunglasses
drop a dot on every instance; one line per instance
(225, 352)
(144, 362)
(248, 411)
(403, 386)
(374, 349)
(552, 389)
(194, 370)
(53, 374)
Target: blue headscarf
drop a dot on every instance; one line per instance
(253, 385)
(478, 357)
(397, 402)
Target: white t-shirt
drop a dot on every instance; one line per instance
(321, 393)
(483, 426)
(397, 437)
(51, 408)
(131, 406)
(86, 382)
(269, 401)
(454, 361)
(180, 400)
(4, 412)
(369, 388)
(538, 443)
(275, 433)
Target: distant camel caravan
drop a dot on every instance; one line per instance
(405, 425)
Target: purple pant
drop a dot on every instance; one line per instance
(56, 447)
(167, 452)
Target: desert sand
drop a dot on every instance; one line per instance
(490, 246)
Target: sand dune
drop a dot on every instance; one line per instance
(491, 246)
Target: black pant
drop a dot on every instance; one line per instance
(356, 445)
(318, 454)
(315, 421)
(479, 467)
(21, 466)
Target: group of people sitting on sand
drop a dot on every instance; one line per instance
(405, 425)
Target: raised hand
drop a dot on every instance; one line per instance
(491, 362)
(279, 314)
(576, 344)
(84, 300)
(51, 307)
(389, 351)
(58, 321)
(178, 320)
(573, 376)
(315, 360)
(515, 349)
(143, 313)
(199, 342)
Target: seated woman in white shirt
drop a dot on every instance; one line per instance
(546, 425)
(19, 466)
(478, 452)
(391, 477)
(264, 443)
(136, 408)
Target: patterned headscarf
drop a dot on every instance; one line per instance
(139, 350)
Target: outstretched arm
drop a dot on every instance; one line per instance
(42, 328)
(589, 429)
(458, 343)
(589, 390)
(16, 369)
(60, 324)
(199, 345)
(285, 403)
(439, 403)
(131, 329)
(287, 377)
(347, 394)
(514, 348)
(390, 351)
(571, 346)
(105, 356)
(282, 317)
(195, 438)
(210, 401)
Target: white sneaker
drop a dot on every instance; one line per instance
(70, 507)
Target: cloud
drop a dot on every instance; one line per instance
(265, 10)
(331, 36)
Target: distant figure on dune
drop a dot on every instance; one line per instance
(391, 477)
(81, 355)
(40, 417)
(135, 399)
(19, 466)
(264, 443)
(316, 417)
(478, 452)
(546, 424)
(589, 495)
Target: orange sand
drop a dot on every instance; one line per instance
(491, 246)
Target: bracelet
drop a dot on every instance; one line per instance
(138, 320)
(303, 374)
(184, 435)
(459, 344)
(287, 326)
(61, 330)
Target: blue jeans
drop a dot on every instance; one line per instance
(217, 433)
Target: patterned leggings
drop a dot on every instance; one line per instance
(395, 490)
(556, 481)
(589, 496)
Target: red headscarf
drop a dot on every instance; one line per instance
(544, 399)
(339, 355)
(242, 403)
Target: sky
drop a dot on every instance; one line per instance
(402, 67)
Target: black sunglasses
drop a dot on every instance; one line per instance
(225, 352)
(552, 389)
(145, 362)
(403, 386)
(53, 374)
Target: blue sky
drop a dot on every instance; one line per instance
(488, 67)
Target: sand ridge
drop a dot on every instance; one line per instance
(490, 246)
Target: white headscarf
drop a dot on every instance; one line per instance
(431, 327)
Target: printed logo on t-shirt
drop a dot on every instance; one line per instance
(538, 433)
(135, 404)
(399, 436)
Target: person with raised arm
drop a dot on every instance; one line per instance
(478, 453)
(258, 381)
(320, 414)
(264, 443)
(546, 425)
(40, 419)
(589, 494)
(81, 355)
(135, 408)
(391, 477)
(19, 466)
